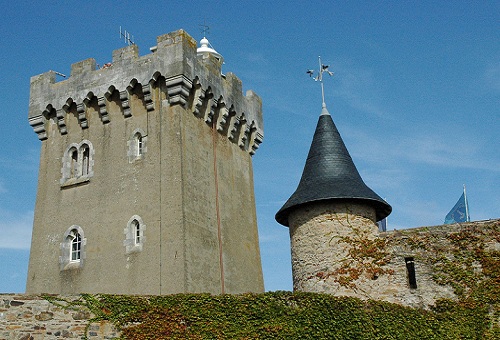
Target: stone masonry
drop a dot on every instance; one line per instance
(407, 271)
(314, 234)
(29, 317)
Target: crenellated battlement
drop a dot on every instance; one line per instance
(174, 68)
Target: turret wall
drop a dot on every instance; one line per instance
(316, 234)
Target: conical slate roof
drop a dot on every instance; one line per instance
(330, 174)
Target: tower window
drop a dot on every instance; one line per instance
(76, 246)
(134, 235)
(73, 163)
(137, 231)
(137, 146)
(72, 248)
(410, 270)
(85, 160)
(77, 163)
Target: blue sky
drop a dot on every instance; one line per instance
(415, 96)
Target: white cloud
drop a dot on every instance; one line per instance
(415, 213)
(358, 87)
(16, 230)
(255, 57)
(444, 151)
(436, 149)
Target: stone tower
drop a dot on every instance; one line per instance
(145, 183)
(331, 202)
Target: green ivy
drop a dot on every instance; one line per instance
(281, 315)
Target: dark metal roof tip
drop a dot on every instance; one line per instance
(330, 175)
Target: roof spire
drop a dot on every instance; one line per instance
(319, 77)
(329, 173)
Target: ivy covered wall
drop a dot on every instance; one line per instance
(274, 315)
(416, 267)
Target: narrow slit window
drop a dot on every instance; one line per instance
(74, 163)
(410, 269)
(137, 232)
(134, 235)
(85, 160)
(139, 144)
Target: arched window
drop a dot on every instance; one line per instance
(72, 248)
(137, 146)
(134, 235)
(77, 163)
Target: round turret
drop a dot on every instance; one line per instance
(331, 203)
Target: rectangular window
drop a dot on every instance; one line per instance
(74, 164)
(139, 145)
(410, 269)
(137, 235)
(76, 248)
(85, 161)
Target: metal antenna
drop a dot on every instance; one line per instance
(129, 39)
(59, 74)
(319, 77)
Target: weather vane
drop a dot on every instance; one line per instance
(322, 68)
(204, 28)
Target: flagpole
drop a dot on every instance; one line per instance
(466, 206)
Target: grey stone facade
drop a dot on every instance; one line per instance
(30, 317)
(164, 139)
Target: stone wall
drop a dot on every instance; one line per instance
(315, 232)
(441, 255)
(337, 250)
(29, 317)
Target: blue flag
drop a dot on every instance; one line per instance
(459, 213)
(382, 225)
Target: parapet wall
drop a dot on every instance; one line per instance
(188, 79)
(446, 261)
(31, 317)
